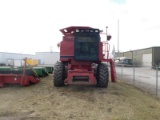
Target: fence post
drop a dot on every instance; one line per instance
(121, 72)
(156, 80)
(133, 74)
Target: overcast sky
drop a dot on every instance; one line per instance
(28, 26)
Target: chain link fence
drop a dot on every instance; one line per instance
(145, 78)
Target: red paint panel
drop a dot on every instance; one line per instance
(17, 79)
(67, 48)
(82, 73)
(101, 51)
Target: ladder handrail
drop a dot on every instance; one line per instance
(106, 48)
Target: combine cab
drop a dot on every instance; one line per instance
(83, 58)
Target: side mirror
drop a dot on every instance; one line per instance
(109, 37)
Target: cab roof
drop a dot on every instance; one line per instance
(68, 30)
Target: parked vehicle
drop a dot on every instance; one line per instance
(127, 62)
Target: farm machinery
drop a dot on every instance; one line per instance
(84, 58)
(22, 76)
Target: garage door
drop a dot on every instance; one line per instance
(147, 59)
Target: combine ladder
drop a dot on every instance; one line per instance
(106, 48)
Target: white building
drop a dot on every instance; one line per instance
(48, 58)
(44, 58)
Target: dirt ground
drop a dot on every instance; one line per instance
(45, 102)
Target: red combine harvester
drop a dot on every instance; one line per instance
(82, 58)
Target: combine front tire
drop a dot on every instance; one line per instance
(59, 74)
(103, 75)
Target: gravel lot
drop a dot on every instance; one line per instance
(45, 102)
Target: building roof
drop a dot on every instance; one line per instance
(140, 49)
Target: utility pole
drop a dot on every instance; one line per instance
(107, 40)
(118, 38)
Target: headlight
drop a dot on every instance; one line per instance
(96, 30)
(77, 30)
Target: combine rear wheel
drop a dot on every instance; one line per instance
(103, 75)
(59, 71)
